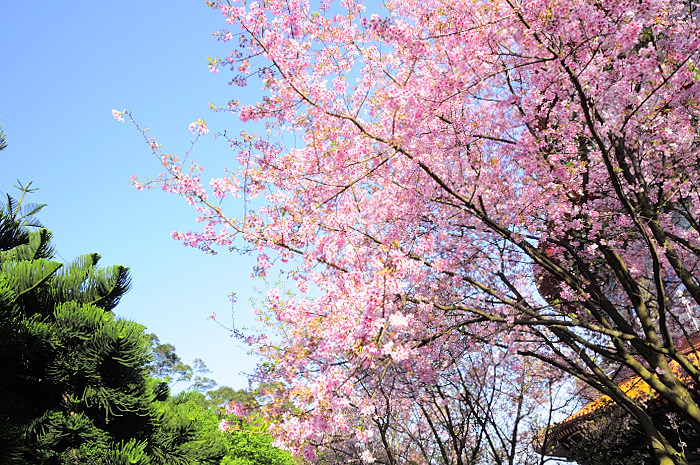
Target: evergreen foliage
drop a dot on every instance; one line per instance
(81, 386)
(204, 404)
(75, 387)
(194, 428)
(250, 444)
(248, 439)
(3, 142)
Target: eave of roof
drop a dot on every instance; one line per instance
(634, 387)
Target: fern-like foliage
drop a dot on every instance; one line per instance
(37, 245)
(3, 140)
(75, 385)
(17, 218)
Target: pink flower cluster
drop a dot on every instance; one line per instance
(198, 127)
(118, 115)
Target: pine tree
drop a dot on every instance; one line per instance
(75, 387)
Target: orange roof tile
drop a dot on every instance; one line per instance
(634, 387)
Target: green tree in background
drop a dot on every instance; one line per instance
(75, 387)
(82, 386)
(166, 364)
(188, 432)
(169, 368)
(249, 442)
(246, 443)
(222, 395)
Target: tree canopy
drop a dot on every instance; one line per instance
(444, 173)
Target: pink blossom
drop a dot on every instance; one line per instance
(198, 127)
(224, 426)
(398, 320)
(118, 115)
(443, 181)
(367, 457)
(236, 409)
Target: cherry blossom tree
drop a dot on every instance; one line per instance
(440, 173)
(487, 409)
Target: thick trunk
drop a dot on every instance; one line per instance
(663, 450)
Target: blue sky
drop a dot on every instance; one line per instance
(65, 66)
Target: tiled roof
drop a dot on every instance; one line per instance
(634, 387)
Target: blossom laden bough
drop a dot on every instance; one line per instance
(450, 173)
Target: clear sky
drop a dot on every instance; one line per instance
(64, 66)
